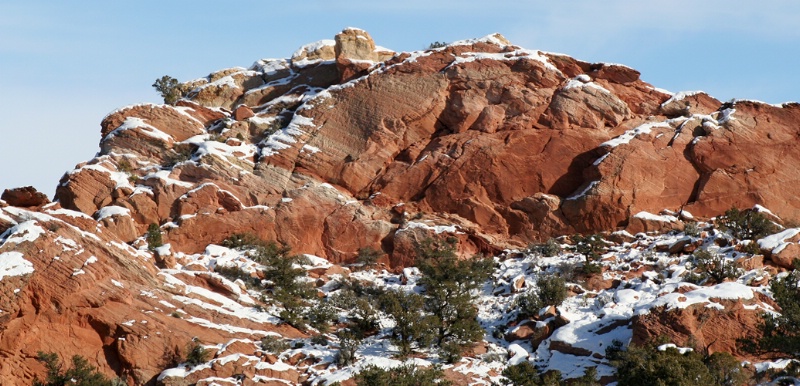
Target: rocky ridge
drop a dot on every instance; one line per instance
(347, 145)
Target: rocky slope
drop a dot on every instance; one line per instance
(347, 145)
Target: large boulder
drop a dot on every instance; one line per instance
(26, 196)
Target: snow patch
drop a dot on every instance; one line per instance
(631, 134)
(14, 264)
(22, 232)
(111, 211)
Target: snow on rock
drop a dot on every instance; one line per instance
(653, 217)
(14, 264)
(727, 290)
(680, 96)
(284, 138)
(435, 228)
(22, 232)
(112, 211)
(777, 242)
(629, 135)
(138, 123)
(682, 350)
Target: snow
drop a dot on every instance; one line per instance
(680, 96)
(69, 213)
(25, 231)
(14, 264)
(653, 217)
(284, 138)
(682, 350)
(310, 48)
(112, 211)
(145, 128)
(777, 242)
(584, 191)
(583, 81)
(726, 115)
(727, 290)
(438, 229)
(310, 149)
(631, 134)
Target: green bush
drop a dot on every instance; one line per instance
(726, 369)
(549, 248)
(368, 256)
(592, 247)
(167, 86)
(362, 319)
(712, 267)
(526, 374)
(319, 340)
(321, 316)
(781, 332)
(196, 354)
(81, 373)
(406, 375)
(691, 229)
(647, 365)
(274, 345)
(747, 224)
(551, 291)
(437, 44)
(153, 237)
(243, 241)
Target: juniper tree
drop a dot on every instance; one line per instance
(167, 86)
(448, 284)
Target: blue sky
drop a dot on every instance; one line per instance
(65, 65)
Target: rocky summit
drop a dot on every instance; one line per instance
(160, 260)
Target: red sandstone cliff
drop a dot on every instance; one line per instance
(346, 146)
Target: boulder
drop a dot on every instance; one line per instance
(26, 196)
(716, 330)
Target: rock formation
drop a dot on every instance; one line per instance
(346, 146)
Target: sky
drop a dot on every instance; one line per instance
(65, 65)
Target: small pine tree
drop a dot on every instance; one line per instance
(349, 341)
(526, 374)
(592, 246)
(448, 284)
(81, 373)
(412, 327)
(648, 365)
(406, 375)
(746, 224)
(781, 332)
(154, 239)
(167, 86)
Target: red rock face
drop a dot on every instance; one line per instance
(333, 152)
(513, 143)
